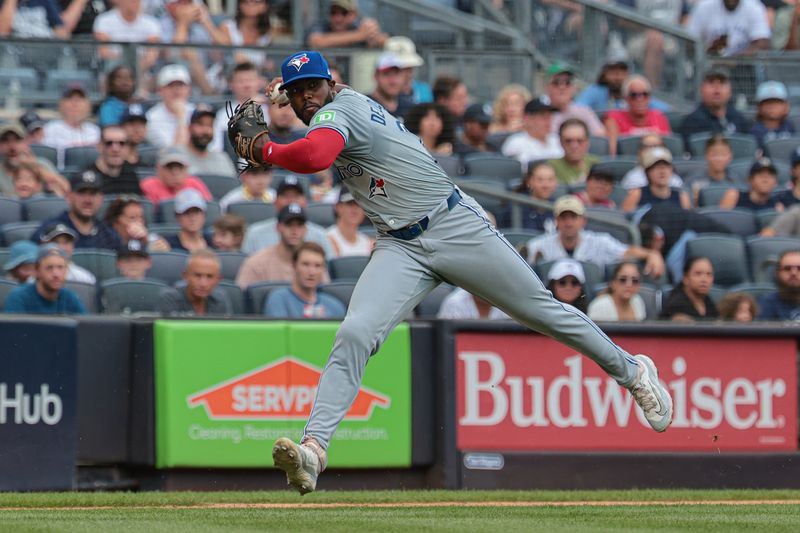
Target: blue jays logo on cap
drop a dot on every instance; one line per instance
(304, 65)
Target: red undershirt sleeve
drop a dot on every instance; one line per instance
(311, 154)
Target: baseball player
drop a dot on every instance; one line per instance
(428, 232)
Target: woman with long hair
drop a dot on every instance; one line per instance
(690, 299)
(621, 300)
(509, 109)
(249, 27)
(120, 88)
(434, 125)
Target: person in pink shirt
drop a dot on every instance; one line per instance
(638, 119)
(172, 177)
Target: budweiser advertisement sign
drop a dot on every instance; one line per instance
(283, 390)
(528, 392)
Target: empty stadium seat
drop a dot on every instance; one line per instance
(764, 217)
(451, 164)
(429, 306)
(100, 262)
(492, 165)
(347, 268)
(87, 294)
(256, 294)
(6, 286)
(688, 168)
(41, 208)
(231, 261)
(79, 157)
(45, 152)
(18, 231)
(756, 290)
(219, 186)
(742, 145)
(4, 253)
(598, 145)
(167, 266)
(252, 212)
(727, 254)
(235, 296)
(764, 252)
(782, 149)
(342, 290)
(125, 296)
(10, 210)
(711, 195)
(321, 213)
(739, 221)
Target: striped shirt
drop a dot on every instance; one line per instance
(593, 247)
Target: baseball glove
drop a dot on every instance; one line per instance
(246, 124)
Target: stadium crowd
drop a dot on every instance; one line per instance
(134, 202)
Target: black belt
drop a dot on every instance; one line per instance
(412, 231)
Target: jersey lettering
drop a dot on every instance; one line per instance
(377, 114)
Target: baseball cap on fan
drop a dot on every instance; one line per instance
(303, 65)
(405, 50)
(564, 268)
(172, 73)
(569, 203)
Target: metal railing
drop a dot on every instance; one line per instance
(516, 201)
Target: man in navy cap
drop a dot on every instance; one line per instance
(84, 201)
(34, 126)
(47, 296)
(64, 237)
(134, 122)
(476, 129)
(264, 233)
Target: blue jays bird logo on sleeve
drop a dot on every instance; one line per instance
(299, 61)
(377, 187)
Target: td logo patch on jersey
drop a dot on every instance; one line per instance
(376, 188)
(299, 61)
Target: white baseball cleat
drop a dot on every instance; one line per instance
(652, 397)
(301, 463)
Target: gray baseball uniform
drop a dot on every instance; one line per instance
(428, 232)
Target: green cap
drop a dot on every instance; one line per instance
(558, 68)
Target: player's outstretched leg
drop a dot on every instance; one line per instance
(301, 462)
(465, 235)
(651, 395)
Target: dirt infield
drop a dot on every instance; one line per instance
(302, 505)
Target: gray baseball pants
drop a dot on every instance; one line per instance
(462, 247)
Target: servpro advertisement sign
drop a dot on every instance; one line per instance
(226, 390)
(730, 394)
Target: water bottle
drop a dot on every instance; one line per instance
(12, 98)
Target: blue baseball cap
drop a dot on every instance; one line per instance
(304, 65)
(21, 253)
(771, 90)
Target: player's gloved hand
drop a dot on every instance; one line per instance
(248, 132)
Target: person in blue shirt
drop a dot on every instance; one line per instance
(783, 304)
(47, 296)
(302, 299)
(84, 201)
(772, 119)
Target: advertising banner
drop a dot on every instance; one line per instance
(37, 405)
(226, 390)
(521, 391)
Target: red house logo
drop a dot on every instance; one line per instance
(282, 390)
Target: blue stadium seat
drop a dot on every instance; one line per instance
(18, 231)
(342, 290)
(167, 266)
(125, 296)
(347, 268)
(100, 262)
(727, 254)
(256, 294)
(764, 252)
(321, 213)
(492, 165)
(45, 152)
(41, 208)
(87, 294)
(231, 262)
(782, 149)
(10, 210)
(252, 212)
(219, 186)
(79, 157)
(739, 221)
(6, 286)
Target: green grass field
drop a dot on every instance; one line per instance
(502, 511)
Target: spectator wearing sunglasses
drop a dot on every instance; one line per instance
(638, 118)
(118, 176)
(567, 281)
(620, 301)
(561, 91)
(784, 303)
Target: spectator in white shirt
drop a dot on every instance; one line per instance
(74, 128)
(255, 188)
(572, 240)
(462, 305)
(536, 142)
(730, 27)
(168, 121)
(345, 238)
(127, 23)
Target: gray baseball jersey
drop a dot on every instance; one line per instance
(384, 166)
(397, 182)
